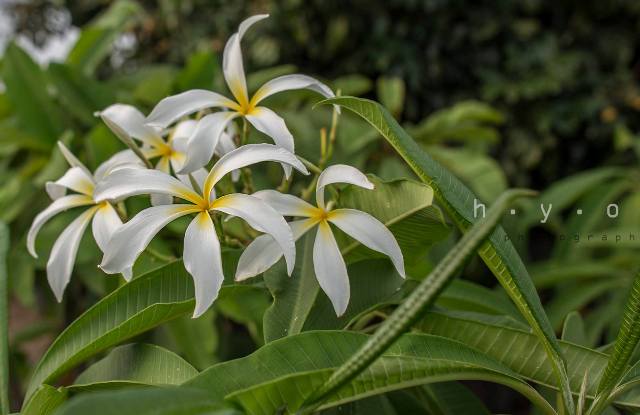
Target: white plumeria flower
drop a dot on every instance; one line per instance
(206, 137)
(128, 123)
(201, 256)
(328, 264)
(105, 218)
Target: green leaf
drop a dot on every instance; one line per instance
(196, 339)
(45, 401)
(155, 83)
(374, 284)
(406, 208)
(451, 398)
(80, 95)
(391, 93)
(283, 373)
(96, 40)
(467, 296)
(201, 71)
(138, 364)
(147, 401)
(4, 320)
(577, 296)
(27, 89)
(466, 121)
(499, 253)
(410, 310)
(624, 346)
(246, 305)
(138, 306)
(565, 192)
(551, 273)
(573, 330)
(524, 353)
(352, 84)
(480, 172)
(293, 297)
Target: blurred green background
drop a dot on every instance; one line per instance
(529, 93)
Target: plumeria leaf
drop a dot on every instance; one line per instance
(26, 88)
(146, 302)
(293, 296)
(498, 253)
(148, 401)
(135, 364)
(524, 353)
(283, 373)
(97, 39)
(406, 207)
(45, 401)
(4, 320)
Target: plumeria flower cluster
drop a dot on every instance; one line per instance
(181, 184)
(101, 214)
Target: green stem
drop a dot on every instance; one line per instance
(246, 175)
(415, 305)
(309, 165)
(4, 321)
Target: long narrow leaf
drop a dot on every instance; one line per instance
(625, 344)
(415, 305)
(4, 320)
(498, 253)
(286, 371)
(523, 353)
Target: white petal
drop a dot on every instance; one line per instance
(370, 232)
(289, 82)
(202, 259)
(172, 108)
(158, 199)
(285, 204)
(199, 176)
(204, 140)
(71, 159)
(232, 66)
(261, 217)
(105, 222)
(75, 179)
(130, 182)
(340, 173)
(269, 123)
(122, 159)
(63, 253)
(130, 239)
(226, 145)
(247, 155)
(331, 271)
(264, 251)
(127, 121)
(184, 129)
(59, 205)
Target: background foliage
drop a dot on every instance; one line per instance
(531, 93)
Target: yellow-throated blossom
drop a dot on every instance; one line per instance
(328, 264)
(205, 138)
(201, 255)
(128, 123)
(105, 218)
